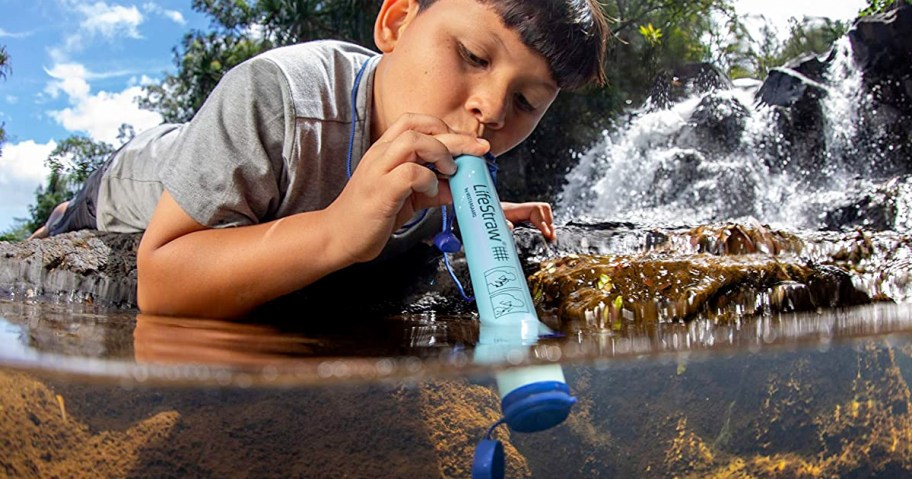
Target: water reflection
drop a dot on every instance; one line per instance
(124, 345)
(169, 340)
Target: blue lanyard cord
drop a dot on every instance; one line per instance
(354, 102)
(448, 230)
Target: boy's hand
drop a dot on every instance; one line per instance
(537, 213)
(391, 183)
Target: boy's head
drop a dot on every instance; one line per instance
(490, 67)
(569, 34)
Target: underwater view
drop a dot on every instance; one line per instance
(729, 296)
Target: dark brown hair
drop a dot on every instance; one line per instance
(569, 34)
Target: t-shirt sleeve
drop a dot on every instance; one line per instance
(227, 166)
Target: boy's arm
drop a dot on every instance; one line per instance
(187, 269)
(190, 270)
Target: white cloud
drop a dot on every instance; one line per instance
(11, 99)
(22, 170)
(69, 78)
(25, 162)
(4, 33)
(173, 15)
(111, 21)
(99, 19)
(99, 115)
(143, 80)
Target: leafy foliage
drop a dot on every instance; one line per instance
(881, 6)
(5, 66)
(808, 35)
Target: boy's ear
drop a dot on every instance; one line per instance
(394, 17)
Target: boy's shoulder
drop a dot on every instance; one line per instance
(318, 74)
(331, 57)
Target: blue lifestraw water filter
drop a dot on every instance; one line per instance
(533, 398)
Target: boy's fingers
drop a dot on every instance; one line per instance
(411, 178)
(426, 124)
(439, 150)
(459, 144)
(444, 197)
(414, 147)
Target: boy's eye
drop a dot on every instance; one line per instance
(471, 58)
(522, 103)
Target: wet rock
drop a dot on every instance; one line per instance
(872, 206)
(672, 86)
(100, 268)
(882, 48)
(797, 80)
(715, 126)
(84, 266)
(799, 117)
(609, 292)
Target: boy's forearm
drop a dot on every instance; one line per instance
(228, 272)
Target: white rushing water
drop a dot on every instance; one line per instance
(656, 169)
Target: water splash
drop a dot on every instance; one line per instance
(723, 156)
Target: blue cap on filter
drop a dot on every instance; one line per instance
(447, 242)
(489, 460)
(531, 408)
(537, 406)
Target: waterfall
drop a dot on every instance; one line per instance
(724, 156)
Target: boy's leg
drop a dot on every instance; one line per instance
(53, 218)
(79, 212)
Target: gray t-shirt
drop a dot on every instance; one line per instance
(270, 141)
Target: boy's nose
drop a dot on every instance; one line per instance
(489, 110)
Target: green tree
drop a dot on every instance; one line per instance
(812, 35)
(808, 35)
(881, 6)
(5, 67)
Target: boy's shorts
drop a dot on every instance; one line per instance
(80, 212)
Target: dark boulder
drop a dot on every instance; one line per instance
(882, 48)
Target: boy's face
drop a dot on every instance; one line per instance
(458, 62)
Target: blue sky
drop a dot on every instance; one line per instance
(77, 65)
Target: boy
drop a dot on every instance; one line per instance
(311, 158)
